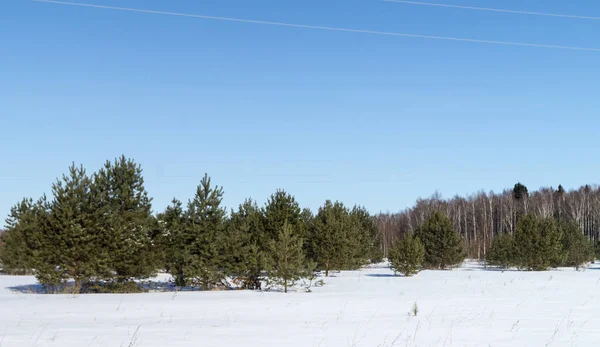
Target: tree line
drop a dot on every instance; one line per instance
(480, 217)
(99, 233)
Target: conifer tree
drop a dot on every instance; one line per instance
(29, 244)
(369, 235)
(579, 249)
(521, 196)
(175, 243)
(72, 232)
(124, 216)
(281, 208)
(538, 244)
(407, 255)
(333, 239)
(18, 249)
(443, 245)
(502, 252)
(205, 227)
(246, 245)
(287, 262)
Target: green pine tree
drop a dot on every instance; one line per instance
(123, 213)
(538, 244)
(18, 246)
(72, 231)
(407, 255)
(502, 251)
(246, 246)
(205, 228)
(287, 263)
(282, 208)
(443, 245)
(579, 249)
(333, 240)
(369, 236)
(175, 243)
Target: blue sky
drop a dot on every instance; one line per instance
(365, 119)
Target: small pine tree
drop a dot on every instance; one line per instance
(502, 252)
(18, 240)
(407, 255)
(579, 250)
(370, 238)
(245, 246)
(205, 236)
(331, 243)
(538, 244)
(287, 263)
(174, 242)
(443, 245)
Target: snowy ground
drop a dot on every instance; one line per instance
(466, 307)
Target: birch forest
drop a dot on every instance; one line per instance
(481, 216)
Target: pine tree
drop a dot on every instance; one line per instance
(72, 231)
(287, 262)
(29, 244)
(538, 244)
(521, 195)
(18, 249)
(175, 243)
(282, 208)
(205, 228)
(407, 255)
(502, 252)
(370, 237)
(246, 246)
(443, 245)
(579, 249)
(333, 239)
(124, 218)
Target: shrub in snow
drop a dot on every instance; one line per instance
(407, 255)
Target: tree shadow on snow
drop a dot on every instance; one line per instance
(383, 275)
(28, 289)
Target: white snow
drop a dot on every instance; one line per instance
(469, 306)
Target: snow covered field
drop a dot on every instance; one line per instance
(465, 307)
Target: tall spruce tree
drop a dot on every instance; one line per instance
(443, 245)
(287, 263)
(124, 217)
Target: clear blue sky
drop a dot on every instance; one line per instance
(366, 119)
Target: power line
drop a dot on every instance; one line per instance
(317, 27)
(492, 9)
